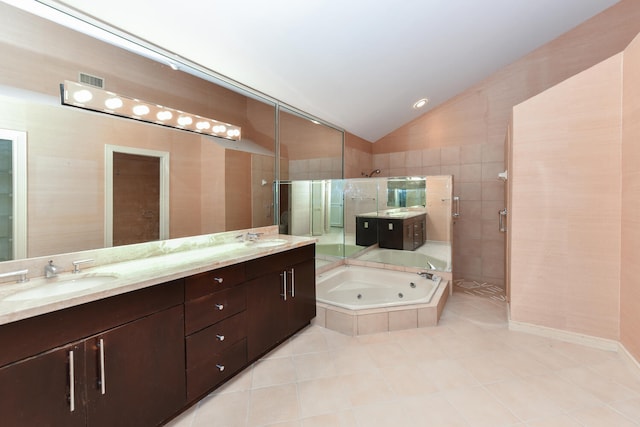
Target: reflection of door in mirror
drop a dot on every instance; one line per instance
(136, 198)
(137, 189)
(12, 195)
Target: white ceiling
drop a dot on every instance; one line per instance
(359, 64)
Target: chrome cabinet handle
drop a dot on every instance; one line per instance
(103, 376)
(220, 307)
(284, 284)
(220, 367)
(502, 216)
(220, 337)
(72, 386)
(218, 279)
(456, 204)
(293, 283)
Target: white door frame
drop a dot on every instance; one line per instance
(19, 167)
(108, 181)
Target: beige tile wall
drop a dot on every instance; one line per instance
(465, 136)
(630, 284)
(478, 245)
(566, 204)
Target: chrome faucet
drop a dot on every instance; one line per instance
(51, 270)
(252, 237)
(425, 275)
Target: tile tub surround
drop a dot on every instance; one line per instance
(136, 267)
(376, 320)
(470, 370)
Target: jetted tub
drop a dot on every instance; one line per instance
(356, 288)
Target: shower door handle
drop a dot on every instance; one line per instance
(456, 207)
(502, 216)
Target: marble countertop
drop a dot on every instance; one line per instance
(130, 275)
(393, 214)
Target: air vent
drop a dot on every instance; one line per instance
(92, 80)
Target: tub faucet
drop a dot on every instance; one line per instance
(51, 270)
(425, 275)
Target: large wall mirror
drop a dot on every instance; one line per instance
(214, 184)
(402, 221)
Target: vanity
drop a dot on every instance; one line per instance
(392, 229)
(165, 332)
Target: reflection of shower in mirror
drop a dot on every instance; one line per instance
(373, 172)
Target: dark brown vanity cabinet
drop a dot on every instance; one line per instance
(215, 328)
(117, 361)
(140, 358)
(402, 233)
(366, 231)
(281, 297)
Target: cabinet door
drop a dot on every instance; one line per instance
(135, 373)
(390, 233)
(266, 313)
(302, 295)
(45, 390)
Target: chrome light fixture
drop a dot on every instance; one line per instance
(96, 99)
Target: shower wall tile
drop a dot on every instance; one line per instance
(397, 160)
(470, 172)
(471, 209)
(431, 170)
(450, 155)
(468, 190)
(493, 190)
(413, 159)
(431, 157)
(450, 170)
(492, 153)
(471, 154)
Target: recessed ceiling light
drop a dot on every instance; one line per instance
(420, 103)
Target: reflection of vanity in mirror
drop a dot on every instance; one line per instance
(402, 221)
(70, 179)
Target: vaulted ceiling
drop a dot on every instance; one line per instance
(358, 64)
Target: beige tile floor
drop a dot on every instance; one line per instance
(468, 371)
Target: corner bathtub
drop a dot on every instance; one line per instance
(358, 300)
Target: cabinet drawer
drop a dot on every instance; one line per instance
(203, 377)
(215, 339)
(210, 309)
(213, 281)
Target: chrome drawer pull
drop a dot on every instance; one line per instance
(218, 279)
(220, 307)
(103, 379)
(220, 337)
(72, 385)
(220, 367)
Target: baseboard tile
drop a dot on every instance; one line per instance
(629, 357)
(572, 337)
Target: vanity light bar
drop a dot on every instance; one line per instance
(95, 99)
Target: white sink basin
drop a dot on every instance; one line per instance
(267, 243)
(60, 287)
